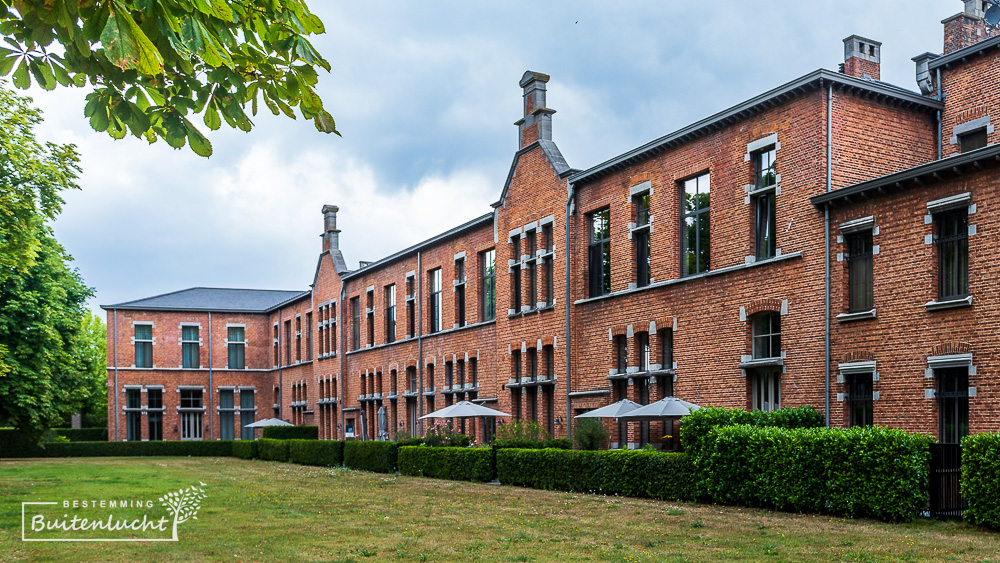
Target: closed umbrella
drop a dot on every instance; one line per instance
(383, 425)
(614, 410)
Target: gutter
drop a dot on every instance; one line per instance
(940, 97)
(420, 343)
(211, 419)
(116, 373)
(281, 379)
(826, 255)
(569, 340)
(343, 357)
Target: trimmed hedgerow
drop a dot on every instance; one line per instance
(316, 452)
(291, 432)
(82, 434)
(379, 457)
(981, 478)
(695, 426)
(460, 464)
(638, 473)
(860, 472)
(245, 449)
(15, 444)
(557, 443)
(272, 450)
(124, 449)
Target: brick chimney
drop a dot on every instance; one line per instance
(537, 121)
(966, 28)
(862, 57)
(331, 234)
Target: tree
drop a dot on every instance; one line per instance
(92, 357)
(154, 63)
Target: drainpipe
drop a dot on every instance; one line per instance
(343, 355)
(420, 344)
(211, 419)
(940, 97)
(826, 238)
(569, 339)
(281, 379)
(116, 371)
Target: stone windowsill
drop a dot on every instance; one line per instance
(861, 315)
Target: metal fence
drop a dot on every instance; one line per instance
(946, 474)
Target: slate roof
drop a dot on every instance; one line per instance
(214, 299)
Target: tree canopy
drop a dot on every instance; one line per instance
(155, 64)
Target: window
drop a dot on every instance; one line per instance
(449, 374)
(226, 422)
(276, 340)
(288, 342)
(695, 229)
(298, 338)
(309, 336)
(621, 353)
(191, 414)
(355, 323)
(474, 371)
(390, 313)
(515, 361)
(532, 365)
(154, 404)
(247, 412)
(532, 269)
(547, 265)
(953, 254)
(642, 344)
(666, 348)
(435, 299)
(487, 291)
(860, 399)
(190, 347)
(143, 346)
(133, 414)
(767, 335)
(972, 141)
(515, 281)
(461, 372)
(860, 279)
(766, 389)
(765, 240)
(953, 402)
(237, 348)
(411, 377)
(599, 252)
(460, 291)
(370, 316)
(765, 173)
(331, 331)
(640, 239)
(550, 361)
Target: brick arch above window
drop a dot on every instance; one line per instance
(950, 349)
(619, 330)
(761, 305)
(859, 356)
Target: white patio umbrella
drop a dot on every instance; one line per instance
(669, 407)
(464, 409)
(268, 422)
(614, 410)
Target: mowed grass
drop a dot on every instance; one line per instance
(265, 511)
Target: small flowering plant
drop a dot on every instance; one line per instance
(441, 434)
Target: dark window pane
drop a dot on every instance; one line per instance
(972, 141)
(953, 254)
(860, 277)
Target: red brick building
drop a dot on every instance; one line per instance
(827, 243)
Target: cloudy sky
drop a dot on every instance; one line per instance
(425, 94)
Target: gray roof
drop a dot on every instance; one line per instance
(214, 299)
(961, 55)
(804, 84)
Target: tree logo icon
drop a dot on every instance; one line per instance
(184, 504)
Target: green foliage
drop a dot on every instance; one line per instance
(590, 434)
(458, 464)
(14, 444)
(859, 472)
(272, 450)
(981, 478)
(401, 435)
(326, 453)
(441, 434)
(156, 64)
(697, 425)
(81, 434)
(556, 443)
(522, 431)
(378, 457)
(291, 432)
(618, 472)
(245, 449)
(91, 353)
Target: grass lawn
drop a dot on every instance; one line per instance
(265, 511)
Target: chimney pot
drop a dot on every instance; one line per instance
(536, 124)
(331, 234)
(862, 57)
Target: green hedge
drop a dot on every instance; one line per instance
(125, 449)
(638, 473)
(557, 443)
(245, 449)
(15, 444)
(379, 457)
(981, 478)
(272, 450)
(83, 434)
(695, 426)
(860, 472)
(291, 432)
(316, 452)
(459, 464)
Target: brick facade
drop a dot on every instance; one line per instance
(748, 327)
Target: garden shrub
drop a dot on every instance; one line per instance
(695, 426)
(223, 448)
(245, 449)
(291, 432)
(590, 434)
(272, 450)
(379, 457)
(981, 478)
(522, 431)
(859, 472)
(637, 473)
(442, 435)
(82, 434)
(327, 453)
(460, 464)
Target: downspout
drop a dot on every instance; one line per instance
(826, 238)
(940, 97)
(211, 419)
(420, 343)
(116, 372)
(569, 339)
(281, 382)
(343, 355)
